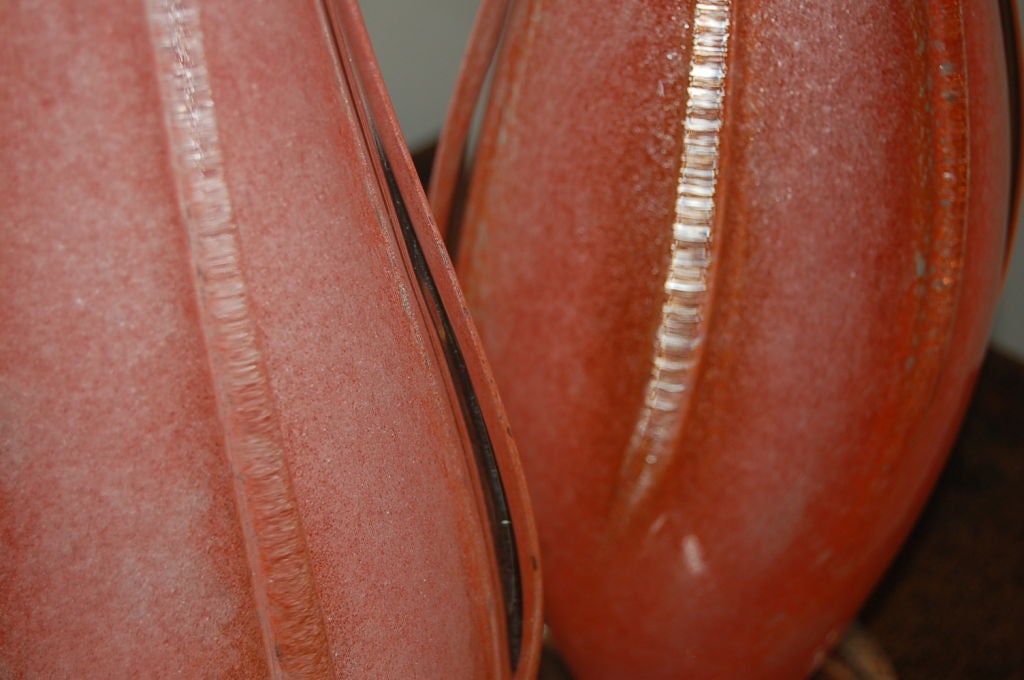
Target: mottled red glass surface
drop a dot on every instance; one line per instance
(233, 439)
(833, 180)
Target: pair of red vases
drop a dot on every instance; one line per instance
(733, 264)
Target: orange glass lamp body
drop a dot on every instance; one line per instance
(734, 264)
(241, 434)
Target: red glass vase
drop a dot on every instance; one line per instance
(247, 430)
(734, 264)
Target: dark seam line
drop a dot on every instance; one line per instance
(502, 529)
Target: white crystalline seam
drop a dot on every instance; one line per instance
(283, 584)
(680, 332)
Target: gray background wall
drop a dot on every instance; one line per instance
(419, 44)
(1008, 334)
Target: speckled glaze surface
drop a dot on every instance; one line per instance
(233, 443)
(734, 264)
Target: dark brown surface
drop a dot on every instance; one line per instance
(952, 606)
